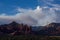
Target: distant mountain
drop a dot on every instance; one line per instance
(37, 28)
(51, 29)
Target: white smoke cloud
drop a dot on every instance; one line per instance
(37, 17)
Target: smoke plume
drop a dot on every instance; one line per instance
(35, 17)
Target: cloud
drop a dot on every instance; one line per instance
(51, 3)
(35, 17)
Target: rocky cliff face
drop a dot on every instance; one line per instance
(15, 29)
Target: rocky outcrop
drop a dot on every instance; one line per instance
(15, 29)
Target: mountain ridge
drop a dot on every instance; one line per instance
(14, 28)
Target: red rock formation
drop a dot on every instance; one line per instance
(15, 29)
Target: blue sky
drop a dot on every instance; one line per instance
(31, 12)
(9, 6)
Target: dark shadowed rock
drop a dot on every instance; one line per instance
(15, 29)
